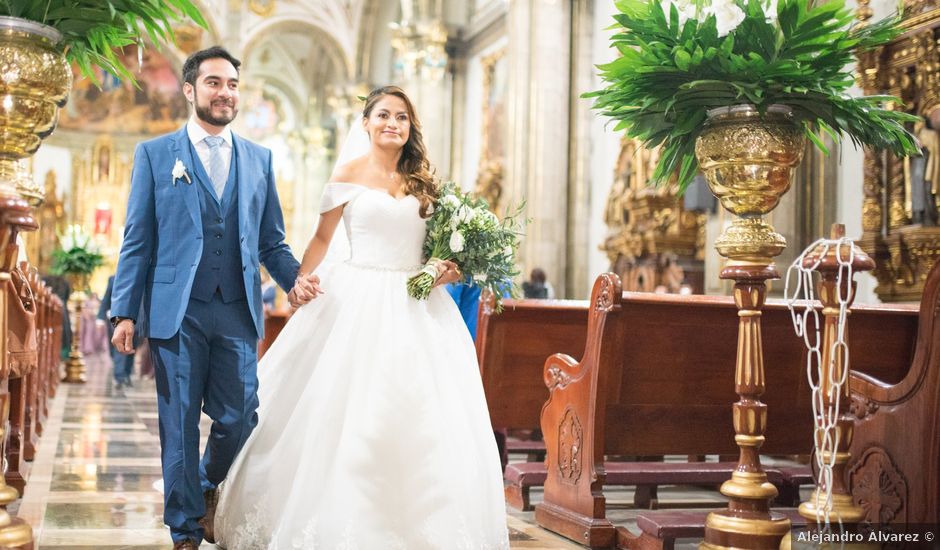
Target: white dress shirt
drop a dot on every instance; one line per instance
(197, 136)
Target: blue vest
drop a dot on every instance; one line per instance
(220, 267)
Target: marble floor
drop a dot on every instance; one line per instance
(92, 483)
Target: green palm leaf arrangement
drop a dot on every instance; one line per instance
(92, 29)
(78, 253)
(681, 58)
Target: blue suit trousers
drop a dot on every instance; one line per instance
(209, 365)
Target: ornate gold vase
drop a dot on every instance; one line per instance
(748, 160)
(75, 366)
(35, 80)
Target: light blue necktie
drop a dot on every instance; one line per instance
(217, 172)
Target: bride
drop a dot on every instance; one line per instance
(373, 431)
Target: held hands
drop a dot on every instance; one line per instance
(306, 288)
(123, 338)
(447, 272)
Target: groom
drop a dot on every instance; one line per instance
(202, 212)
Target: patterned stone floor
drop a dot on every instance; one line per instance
(92, 484)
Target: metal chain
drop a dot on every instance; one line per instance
(807, 325)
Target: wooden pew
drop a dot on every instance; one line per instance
(894, 471)
(36, 407)
(56, 319)
(274, 321)
(22, 356)
(511, 349)
(656, 378)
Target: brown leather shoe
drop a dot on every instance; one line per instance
(186, 545)
(208, 521)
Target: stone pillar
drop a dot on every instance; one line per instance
(537, 159)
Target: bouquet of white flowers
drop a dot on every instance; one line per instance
(462, 229)
(79, 253)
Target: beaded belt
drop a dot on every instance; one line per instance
(401, 269)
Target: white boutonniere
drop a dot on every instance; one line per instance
(179, 171)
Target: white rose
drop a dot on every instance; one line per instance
(450, 200)
(465, 214)
(727, 16)
(456, 241)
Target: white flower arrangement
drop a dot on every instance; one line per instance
(462, 229)
(179, 171)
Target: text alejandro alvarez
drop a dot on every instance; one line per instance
(874, 536)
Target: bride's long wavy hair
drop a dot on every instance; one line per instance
(413, 164)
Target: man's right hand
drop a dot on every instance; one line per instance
(306, 288)
(123, 339)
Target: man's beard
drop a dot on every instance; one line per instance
(205, 114)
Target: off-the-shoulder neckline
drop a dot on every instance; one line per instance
(370, 188)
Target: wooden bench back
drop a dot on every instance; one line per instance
(672, 390)
(512, 348)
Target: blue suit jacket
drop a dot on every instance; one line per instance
(163, 234)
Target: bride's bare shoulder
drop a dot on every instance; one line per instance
(349, 172)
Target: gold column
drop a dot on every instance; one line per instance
(748, 521)
(748, 160)
(75, 366)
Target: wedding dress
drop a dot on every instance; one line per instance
(373, 430)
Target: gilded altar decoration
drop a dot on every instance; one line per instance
(901, 205)
(653, 242)
(489, 184)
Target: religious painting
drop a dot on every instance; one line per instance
(155, 106)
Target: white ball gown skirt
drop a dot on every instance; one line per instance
(373, 430)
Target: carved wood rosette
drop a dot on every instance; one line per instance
(879, 487)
